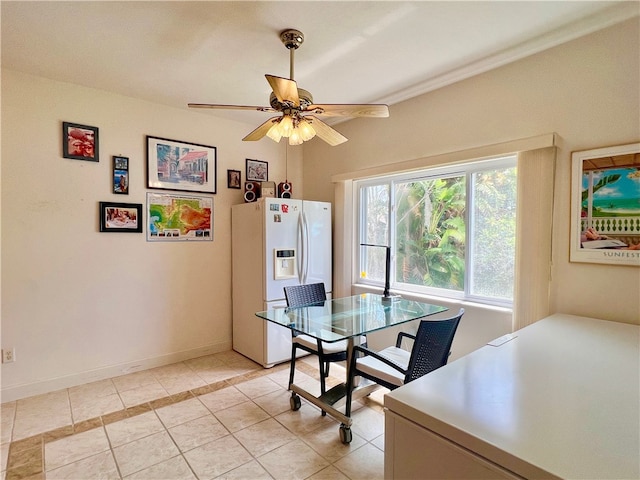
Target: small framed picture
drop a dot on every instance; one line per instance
(120, 217)
(80, 142)
(121, 175)
(233, 178)
(257, 171)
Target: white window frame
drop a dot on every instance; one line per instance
(467, 170)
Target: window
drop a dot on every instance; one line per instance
(451, 230)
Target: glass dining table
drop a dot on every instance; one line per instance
(347, 318)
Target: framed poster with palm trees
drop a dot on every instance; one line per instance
(605, 205)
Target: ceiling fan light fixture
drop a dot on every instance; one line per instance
(307, 132)
(286, 125)
(295, 138)
(274, 132)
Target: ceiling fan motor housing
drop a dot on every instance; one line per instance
(292, 38)
(305, 100)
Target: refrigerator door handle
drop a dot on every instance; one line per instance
(300, 243)
(305, 224)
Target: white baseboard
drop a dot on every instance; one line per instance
(12, 393)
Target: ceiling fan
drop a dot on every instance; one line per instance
(299, 120)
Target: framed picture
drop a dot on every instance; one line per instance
(121, 175)
(182, 166)
(80, 142)
(234, 178)
(257, 171)
(120, 217)
(605, 205)
(179, 218)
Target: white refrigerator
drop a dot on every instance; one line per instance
(276, 242)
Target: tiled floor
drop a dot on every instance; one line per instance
(214, 417)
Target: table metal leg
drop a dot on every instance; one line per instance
(335, 397)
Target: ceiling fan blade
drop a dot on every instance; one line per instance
(325, 132)
(261, 131)
(346, 110)
(230, 107)
(284, 89)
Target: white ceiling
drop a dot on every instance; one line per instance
(218, 52)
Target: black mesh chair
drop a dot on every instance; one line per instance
(394, 366)
(305, 295)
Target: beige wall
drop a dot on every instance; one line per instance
(77, 304)
(587, 91)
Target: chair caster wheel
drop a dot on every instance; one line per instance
(345, 434)
(295, 402)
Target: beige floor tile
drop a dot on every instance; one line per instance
(41, 413)
(171, 371)
(144, 452)
(241, 416)
(195, 433)
(75, 447)
(175, 468)
(378, 442)
(249, 471)
(367, 423)
(329, 473)
(206, 363)
(301, 378)
(133, 380)
(230, 356)
(281, 377)
(52, 400)
(258, 387)
(218, 374)
(96, 467)
(143, 394)
(326, 441)
(246, 367)
(182, 383)
(264, 436)
(367, 462)
(305, 420)
(7, 417)
(134, 428)
(91, 390)
(4, 454)
(218, 457)
(181, 412)
(94, 407)
(223, 398)
(295, 460)
(274, 403)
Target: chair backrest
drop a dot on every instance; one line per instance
(299, 295)
(432, 346)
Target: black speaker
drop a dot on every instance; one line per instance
(284, 190)
(251, 191)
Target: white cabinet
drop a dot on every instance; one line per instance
(437, 457)
(560, 400)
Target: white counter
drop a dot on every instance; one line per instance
(562, 399)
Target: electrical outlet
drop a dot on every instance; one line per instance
(8, 355)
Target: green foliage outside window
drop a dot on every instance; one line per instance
(430, 232)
